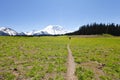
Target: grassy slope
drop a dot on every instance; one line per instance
(33, 58)
(101, 54)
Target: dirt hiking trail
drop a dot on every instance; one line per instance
(70, 66)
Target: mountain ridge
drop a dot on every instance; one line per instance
(49, 30)
(7, 31)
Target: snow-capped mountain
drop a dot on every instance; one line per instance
(49, 30)
(21, 34)
(7, 31)
(55, 29)
(37, 33)
(29, 33)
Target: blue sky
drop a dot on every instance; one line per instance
(27, 15)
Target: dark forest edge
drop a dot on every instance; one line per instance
(98, 29)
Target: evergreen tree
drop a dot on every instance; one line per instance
(98, 29)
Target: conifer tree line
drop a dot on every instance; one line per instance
(98, 29)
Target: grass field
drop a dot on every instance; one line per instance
(97, 58)
(32, 58)
(45, 58)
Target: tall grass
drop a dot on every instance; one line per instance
(44, 58)
(33, 58)
(105, 52)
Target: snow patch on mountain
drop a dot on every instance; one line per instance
(29, 33)
(21, 34)
(55, 29)
(7, 31)
(49, 30)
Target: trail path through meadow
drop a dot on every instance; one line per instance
(70, 66)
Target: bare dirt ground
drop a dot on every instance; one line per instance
(70, 66)
(95, 67)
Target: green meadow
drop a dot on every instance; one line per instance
(45, 58)
(33, 58)
(97, 58)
